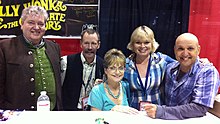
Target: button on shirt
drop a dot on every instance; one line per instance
(44, 75)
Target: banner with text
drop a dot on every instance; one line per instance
(65, 16)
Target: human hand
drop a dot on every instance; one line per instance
(151, 110)
(125, 109)
(97, 81)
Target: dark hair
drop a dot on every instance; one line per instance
(90, 29)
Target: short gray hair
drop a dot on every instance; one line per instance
(34, 10)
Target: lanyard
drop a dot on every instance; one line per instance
(139, 78)
(89, 78)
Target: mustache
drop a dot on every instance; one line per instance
(89, 51)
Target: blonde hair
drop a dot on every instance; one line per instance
(114, 56)
(143, 33)
(34, 10)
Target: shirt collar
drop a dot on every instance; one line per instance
(84, 60)
(191, 71)
(41, 44)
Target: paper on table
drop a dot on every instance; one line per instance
(217, 98)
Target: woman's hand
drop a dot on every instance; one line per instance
(125, 109)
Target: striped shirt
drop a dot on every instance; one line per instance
(152, 93)
(199, 85)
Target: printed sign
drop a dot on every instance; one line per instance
(65, 17)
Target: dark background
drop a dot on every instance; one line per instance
(118, 18)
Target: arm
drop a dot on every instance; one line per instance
(125, 109)
(95, 99)
(181, 112)
(202, 97)
(167, 58)
(2, 78)
(95, 109)
(206, 86)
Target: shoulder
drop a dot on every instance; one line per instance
(99, 58)
(206, 68)
(98, 88)
(130, 57)
(73, 56)
(10, 43)
(51, 43)
(5, 40)
(171, 67)
(160, 56)
(161, 59)
(99, 62)
(124, 82)
(9, 40)
(129, 61)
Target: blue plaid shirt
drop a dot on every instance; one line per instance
(159, 62)
(199, 85)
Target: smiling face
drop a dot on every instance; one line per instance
(186, 50)
(114, 64)
(115, 73)
(33, 28)
(142, 48)
(142, 42)
(90, 44)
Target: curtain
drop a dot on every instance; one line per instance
(205, 23)
(118, 18)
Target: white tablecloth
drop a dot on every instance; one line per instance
(89, 117)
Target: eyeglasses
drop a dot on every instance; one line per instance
(89, 26)
(120, 69)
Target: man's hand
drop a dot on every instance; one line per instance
(151, 110)
(97, 81)
(205, 61)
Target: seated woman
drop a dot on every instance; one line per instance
(111, 94)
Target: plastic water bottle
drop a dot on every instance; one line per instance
(43, 102)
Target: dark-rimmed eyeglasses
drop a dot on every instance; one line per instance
(89, 26)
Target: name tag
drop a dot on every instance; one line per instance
(85, 105)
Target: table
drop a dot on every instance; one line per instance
(216, 107)
(89, 117)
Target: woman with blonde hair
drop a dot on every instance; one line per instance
(145, 68)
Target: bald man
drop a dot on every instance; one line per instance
(190, 87)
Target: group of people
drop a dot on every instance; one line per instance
(145, 81)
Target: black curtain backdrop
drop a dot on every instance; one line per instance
(118, 18)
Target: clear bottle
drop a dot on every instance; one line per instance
(43, 102)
